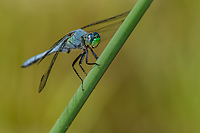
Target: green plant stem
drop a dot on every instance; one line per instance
(93, 77)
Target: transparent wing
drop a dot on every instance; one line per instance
(107, 27)
(41, 56)
(117, 17)
(106, 32)
(46, 74)
(63, 39)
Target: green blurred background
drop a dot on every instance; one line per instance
(153, 85)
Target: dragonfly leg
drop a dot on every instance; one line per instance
(80, 62)
(74, 62)
(87, 57)
(93, 53)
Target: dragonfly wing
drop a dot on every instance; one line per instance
(106, 32)
(55, 47)
(107, 27)
(119, 16)
(41, 56)
(46, 74)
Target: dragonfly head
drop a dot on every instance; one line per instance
(92, 39)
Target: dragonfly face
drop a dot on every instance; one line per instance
(77, 39)
(92, 39)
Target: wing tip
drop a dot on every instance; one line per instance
(40, 88)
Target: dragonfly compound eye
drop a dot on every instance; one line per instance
(96, 40)
(92, 39)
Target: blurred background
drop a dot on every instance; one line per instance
(153, 85)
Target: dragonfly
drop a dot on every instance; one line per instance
(76, 39)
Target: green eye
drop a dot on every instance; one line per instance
(92, 39)
(96, 40)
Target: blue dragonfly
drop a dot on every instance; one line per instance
(76, 39)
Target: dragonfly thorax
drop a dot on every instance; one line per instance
(92, 39)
